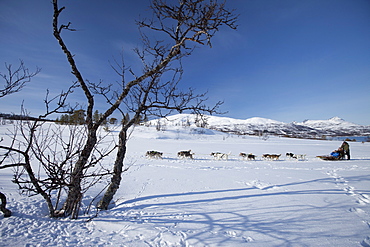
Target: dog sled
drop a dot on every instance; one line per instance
(335, 155)
(328, 157)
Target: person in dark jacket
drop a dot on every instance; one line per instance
(345, 148)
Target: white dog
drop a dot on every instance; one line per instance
(221, 156)
(299, 156)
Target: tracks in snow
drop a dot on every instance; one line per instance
(341, 183)
(361, 199)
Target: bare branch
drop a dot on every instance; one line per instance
(57, 32)
(16, 79)
(73, 161)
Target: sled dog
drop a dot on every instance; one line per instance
(299, 156)
(271, 156)
(185, 154)
(248, 156)
(220, 156)
(154, 154)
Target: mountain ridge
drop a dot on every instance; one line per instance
(332, 127)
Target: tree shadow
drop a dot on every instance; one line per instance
(236, 215)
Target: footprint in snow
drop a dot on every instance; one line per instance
(248, 239)
(261, 185)
(231, 234)
(366, 242)
(363, 199)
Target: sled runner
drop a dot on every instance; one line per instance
(328, 157)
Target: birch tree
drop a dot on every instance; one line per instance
(153, 91)
(184, 24)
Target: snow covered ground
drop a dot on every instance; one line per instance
(208, 202)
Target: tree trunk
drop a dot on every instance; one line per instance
(7, 212)
(117, 171)
(72, 204)
(74, 197)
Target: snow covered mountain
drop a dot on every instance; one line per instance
(337, 126)
(263, 126)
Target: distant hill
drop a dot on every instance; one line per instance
(20, 117)
(317, 129)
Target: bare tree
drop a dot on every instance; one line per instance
(71, 166)
(43, 155)
(30, 141)
(14, 81)
(192, 21)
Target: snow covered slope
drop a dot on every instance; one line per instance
(206, 202)
(337, 126)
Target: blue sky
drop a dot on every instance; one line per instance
(288, 60)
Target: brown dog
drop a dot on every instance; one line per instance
(271, 156)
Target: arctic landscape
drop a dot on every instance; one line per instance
(214, 201)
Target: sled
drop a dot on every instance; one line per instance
(328, 157)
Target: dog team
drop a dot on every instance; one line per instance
(225, 156)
